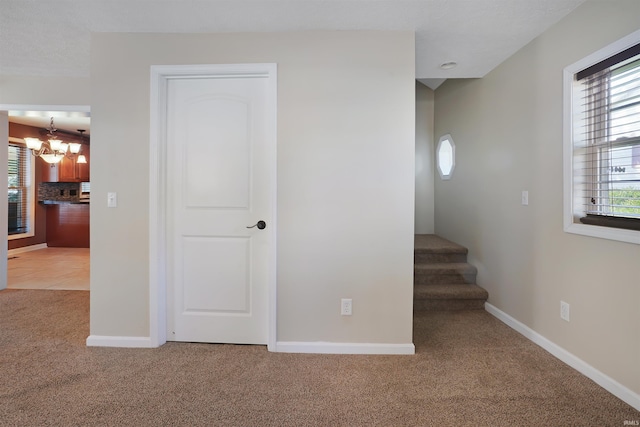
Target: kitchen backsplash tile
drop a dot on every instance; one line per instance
(59, 191)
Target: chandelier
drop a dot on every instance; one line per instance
(54, 149)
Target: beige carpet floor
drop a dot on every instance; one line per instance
(469, 370)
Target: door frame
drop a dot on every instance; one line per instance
(158, 256)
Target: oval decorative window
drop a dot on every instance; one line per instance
(446, 156)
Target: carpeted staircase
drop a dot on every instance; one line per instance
(442, 278)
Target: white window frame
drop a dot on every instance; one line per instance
(31, 207)
(571, 224)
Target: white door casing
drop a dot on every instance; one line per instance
(214, 128)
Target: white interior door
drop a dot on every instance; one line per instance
(220, 159)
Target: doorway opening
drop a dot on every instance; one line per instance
(47, 210)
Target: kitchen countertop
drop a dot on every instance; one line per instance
(65, 202)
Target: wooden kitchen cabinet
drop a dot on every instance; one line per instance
(82, 169)
(67, 170)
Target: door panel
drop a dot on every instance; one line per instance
(218, 184)
(215, 284)
(218, 154)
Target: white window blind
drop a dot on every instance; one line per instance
(606, 142)
(19, 189)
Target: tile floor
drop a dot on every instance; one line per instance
(50, 268)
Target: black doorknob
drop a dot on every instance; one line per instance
(260, 224)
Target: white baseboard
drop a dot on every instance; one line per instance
(281, 347)
(126, 342)
(604, 381)
(321, 347)
(12, 252)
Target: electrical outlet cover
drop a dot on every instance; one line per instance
(565, 311)
(346, 307)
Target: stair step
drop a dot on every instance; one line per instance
(444, 273)
(437, 257)
(446, 268)
(429, 248)
(449, 297)
(448, 305)
(430, 243)
(448, 291)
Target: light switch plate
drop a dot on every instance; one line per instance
(112, 200)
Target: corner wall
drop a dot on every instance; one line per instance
(508, 131)
(346, 155)
(425, 172)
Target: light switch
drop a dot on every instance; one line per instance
(112, 200)
(525, 197)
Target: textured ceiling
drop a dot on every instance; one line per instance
(52, 37)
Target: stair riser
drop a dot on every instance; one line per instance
(426, 258)
(448, 305)
(443, 279)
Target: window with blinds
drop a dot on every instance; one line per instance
(606, 142)
(19, 191)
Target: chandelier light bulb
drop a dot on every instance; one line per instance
(55, 144)
(74, 147)
(33, 143)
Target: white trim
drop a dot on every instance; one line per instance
(157, 236)
(4, 207)
(12, 252)
(160, 74)
(604, 381)
(322, 347)
(46, 108)
(629, 236)
(272, 132)
(123, 342)
(607, 51)
(569, 224)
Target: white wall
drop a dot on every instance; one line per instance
(424, 222)
(44, 90)
(346, 105)
(507, 128)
